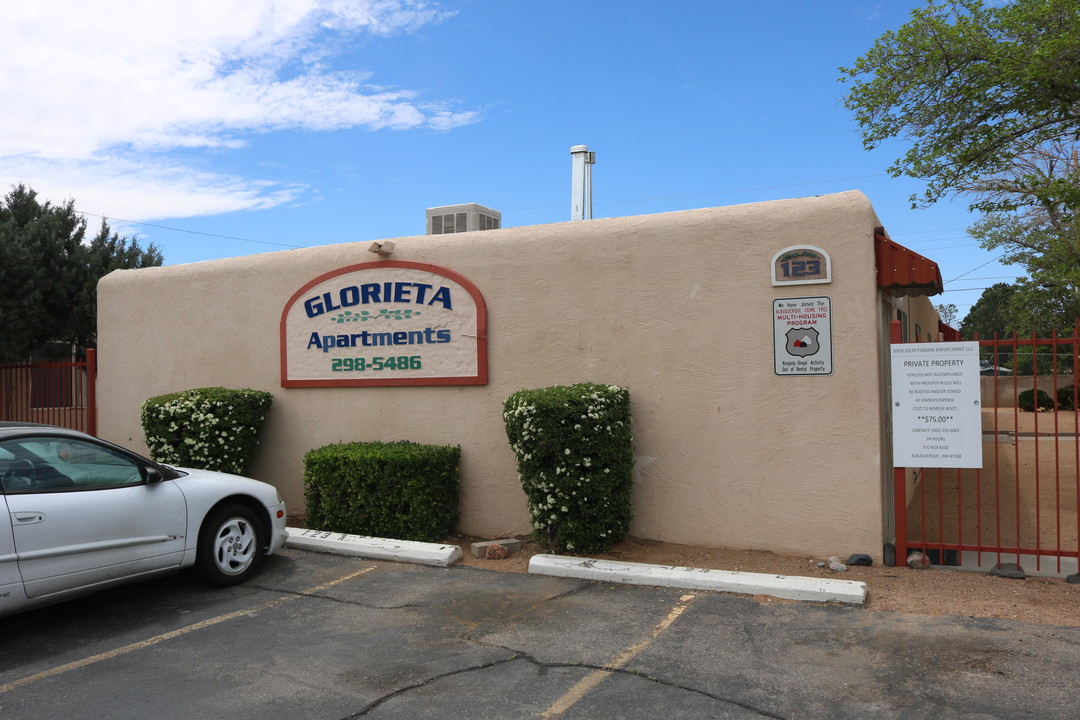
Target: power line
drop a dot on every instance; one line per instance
(731, 192)
(926, 232)
(947, 247)
(610, 202)
(539, 207)
(709, 194)
(189, 232)
(995, 259)
(940, 239)
(536, 207)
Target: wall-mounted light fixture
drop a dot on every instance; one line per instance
(381, 248)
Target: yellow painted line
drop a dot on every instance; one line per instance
(60, 669)
(590, 681)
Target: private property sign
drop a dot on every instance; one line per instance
(937, 417)
(385, 323)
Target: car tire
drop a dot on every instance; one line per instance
(230, 546)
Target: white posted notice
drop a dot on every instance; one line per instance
(802, 336)
(937, 420)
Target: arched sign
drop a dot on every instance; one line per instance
(385, 323)
(801, 265)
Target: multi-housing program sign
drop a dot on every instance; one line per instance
(937, 419)
(802, 336)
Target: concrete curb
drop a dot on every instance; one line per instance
(374, 548)
(780, 586)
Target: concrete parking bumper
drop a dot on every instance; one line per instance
(779, 586)
(409, 551)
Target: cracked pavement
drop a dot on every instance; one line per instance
(329, 637)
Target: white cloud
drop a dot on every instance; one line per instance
(88, 82)
(143, 188)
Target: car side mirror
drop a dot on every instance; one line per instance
(153, 475)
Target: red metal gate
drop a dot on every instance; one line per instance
(1021, 506)
(58, 393)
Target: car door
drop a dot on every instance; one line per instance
(84, 514)
(11, 591)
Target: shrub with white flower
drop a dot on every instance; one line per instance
(211, 428)
(575, 458)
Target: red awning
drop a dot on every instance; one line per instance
(903, 272)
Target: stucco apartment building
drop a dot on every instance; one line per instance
(753, 340)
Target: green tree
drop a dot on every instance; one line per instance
(1040, 307)
(988, 97)
(49, 274)
(1026, 308)
(990, 314)
(975, 89)
(1049, 252)
(1036, 232)
(947, 313)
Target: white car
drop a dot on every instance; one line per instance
(84, 514)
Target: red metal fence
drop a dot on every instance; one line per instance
(59, 393)
(1022, 505)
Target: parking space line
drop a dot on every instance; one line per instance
(590, 681)
(60, 669)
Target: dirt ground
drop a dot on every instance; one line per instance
(933, 591)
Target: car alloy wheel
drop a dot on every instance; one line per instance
(230, 546)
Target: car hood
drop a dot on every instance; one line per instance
(218, 485)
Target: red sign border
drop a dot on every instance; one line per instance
(481, 377)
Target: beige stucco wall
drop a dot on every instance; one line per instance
(675, 306)
(923, 319)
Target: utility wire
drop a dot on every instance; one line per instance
(189, 232)
(994, 259)
(610, 202)
(709, 194)
(536, 207)
(926, 232)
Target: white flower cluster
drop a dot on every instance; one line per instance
(198, 434)
(568, 489)
(527, 414)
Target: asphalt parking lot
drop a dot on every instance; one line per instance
(329, 637)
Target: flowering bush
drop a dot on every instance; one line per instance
(575, 458)
(208, 428)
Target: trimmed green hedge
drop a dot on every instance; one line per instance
(1026, 401)
(1066, 397)
(211, 428)
(400, 490)
(575, 459)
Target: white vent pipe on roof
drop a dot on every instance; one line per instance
(581, 182)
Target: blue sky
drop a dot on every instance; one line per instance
(233, 127)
